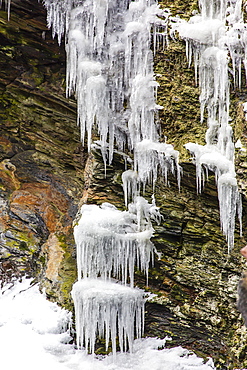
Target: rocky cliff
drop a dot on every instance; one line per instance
(45, 175)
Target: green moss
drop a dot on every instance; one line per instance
(179, 294)
(23, 246)
(68, 271)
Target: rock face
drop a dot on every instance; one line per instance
(41, 158)
(45, 175)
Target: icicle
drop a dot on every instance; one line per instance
(7, 4)
(230, 204)
(209, 157)
(110, 242)
(110, 72)
(210, 36)
(107, 310)
(130, 185)
(109, 64)
(151, 157)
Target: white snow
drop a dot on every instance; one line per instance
(33, 331)
(34, 335)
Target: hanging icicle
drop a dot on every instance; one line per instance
(110, 243)
(107, 310)
(210, 36)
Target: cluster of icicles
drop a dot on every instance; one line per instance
(211, 36)
(110, 243)
(110, 72)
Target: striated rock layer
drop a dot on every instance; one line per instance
(41, 158)
(45, 175)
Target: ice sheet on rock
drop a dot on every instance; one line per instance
(107, 310)
(111, 243)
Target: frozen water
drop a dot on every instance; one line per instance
(110, 66)
(154, 157)
(211, 36)
(7, 6)
(110, 72)
(209, 157)
(110, 243)
(130, 185)
(107, 310)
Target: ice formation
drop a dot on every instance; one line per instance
(110, 243)
(108, 310)
(211, 36)
(151, 158)
(7, 6)
(110, 72)
(130, 185)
